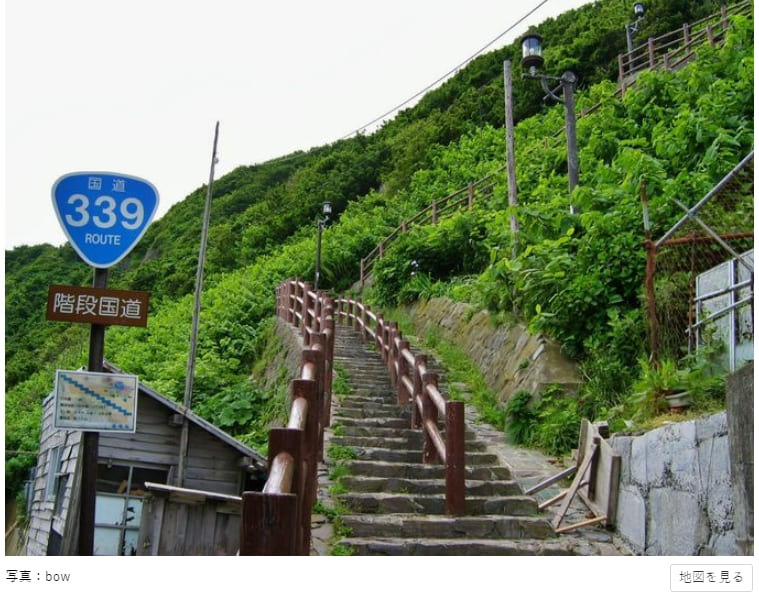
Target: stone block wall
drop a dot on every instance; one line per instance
(509, 357)
(675, 493)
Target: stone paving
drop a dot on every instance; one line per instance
(528, 468)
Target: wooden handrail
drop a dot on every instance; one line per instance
(431, 213)
(417, 386)
(673, 48)
(669, 50)
(277, 520)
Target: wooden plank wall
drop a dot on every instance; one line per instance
(42, 518)
(176, 526)
(154, 443)
(211, 463)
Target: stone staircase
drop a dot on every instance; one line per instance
(396, 504)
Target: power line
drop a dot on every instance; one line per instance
(427, 88)
(446, 75)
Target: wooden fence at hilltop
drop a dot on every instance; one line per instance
(670, 51)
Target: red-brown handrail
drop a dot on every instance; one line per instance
(433, 213)
(277, 520)
(670, 50)
(675, 48)
(417, 386)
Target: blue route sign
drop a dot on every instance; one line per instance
(104, 214)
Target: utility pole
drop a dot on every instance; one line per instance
(510, 159)
(184, 439)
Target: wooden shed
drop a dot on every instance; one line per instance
(216, 464)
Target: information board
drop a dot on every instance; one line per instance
(90, 401)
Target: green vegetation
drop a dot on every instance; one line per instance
(576, 279)
(340, 381)
(459, 369)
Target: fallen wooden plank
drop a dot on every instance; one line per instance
(576, 482)
(552, 480)
(581, 524)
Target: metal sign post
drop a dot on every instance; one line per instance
(104, 215)
(90, 440)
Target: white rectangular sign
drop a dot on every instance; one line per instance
(91, 401)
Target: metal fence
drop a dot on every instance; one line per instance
(700, 275)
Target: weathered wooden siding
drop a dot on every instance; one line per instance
(154, 443)
(212, 465)
(181, 524)
(42, 517)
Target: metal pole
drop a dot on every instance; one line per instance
(184, 439)
(90, 440)
(628, 31)
(568, 80)
(510, 160)
(318, 254)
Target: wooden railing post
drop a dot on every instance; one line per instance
(403, 372)
(710, 34)
(295, 296)
(365, 321)
(267, 523)
(315, 356)
(429, 416)
(420, 362)
(392, 354)
(620, 64)
(470, 202)
(270, 521)
(304, 322)
(378, 333)
(651, 53)
(362, 274)
(455, 458)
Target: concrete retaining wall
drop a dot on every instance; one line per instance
(675, 490)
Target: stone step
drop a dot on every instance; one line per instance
(387, 394)
(409, 455)
(413, 441)
(349, 401)
(375, 410)
(419, 504)
(453, 547)
(380, 422)
(432, 486)
(488, 527)
(373, 431)
(422, 471)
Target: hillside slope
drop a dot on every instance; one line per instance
(680, 131)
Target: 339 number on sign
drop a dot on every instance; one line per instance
(104, 212)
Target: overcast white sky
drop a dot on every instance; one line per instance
(136, 87)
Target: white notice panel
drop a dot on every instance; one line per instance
(91, 401)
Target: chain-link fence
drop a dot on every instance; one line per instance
(700, 274)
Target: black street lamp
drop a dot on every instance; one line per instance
(321, 223)
(639, 10)
(532, 58)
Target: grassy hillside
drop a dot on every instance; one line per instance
(576, 279)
